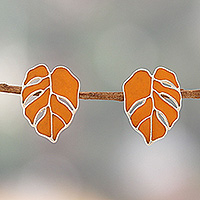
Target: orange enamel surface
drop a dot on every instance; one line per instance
(173, 93)
(142, 112)
(65, 84)
(44, 125)
(33, 108)
(60, 109)
(163, 74)
(137, 87)
(145, 129)
(61, 83)
(170, 113)
(158, 129)
(39, 71)
(141, 85)
(34, 88)
(57, 126)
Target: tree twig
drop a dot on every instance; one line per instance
(113, 96)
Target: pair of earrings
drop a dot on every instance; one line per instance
(51, 99)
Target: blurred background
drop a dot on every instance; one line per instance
(100, 156)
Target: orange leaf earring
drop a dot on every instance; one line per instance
(50, 99)
(152, 102)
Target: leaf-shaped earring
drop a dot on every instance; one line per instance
(152, 102)
(50, 100)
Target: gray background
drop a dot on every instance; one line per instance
(99, 156)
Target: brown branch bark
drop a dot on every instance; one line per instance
(113, 96)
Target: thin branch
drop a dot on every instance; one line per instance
(10, 88)
(113, 96)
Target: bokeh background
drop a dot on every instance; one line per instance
(100, 156)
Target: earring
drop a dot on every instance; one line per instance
(50, 99)
(152, 102)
